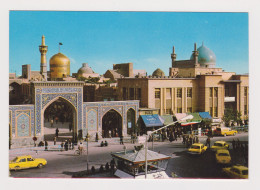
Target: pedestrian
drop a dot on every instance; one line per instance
(171, 137)
(62, 145)
(52, 123)
(54, 140)
(102, 144)
(56, 119)
(208, 142)
(70, 144)
(80, 147)
(46, 145)
(175, 135)
(183, 139)
(57, 132)
(96, 137)
(112, 166)
(121, 139)
(66, 145)
(70, 126)
(106, 144)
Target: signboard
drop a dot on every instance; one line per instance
(229, 99)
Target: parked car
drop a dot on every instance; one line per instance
(197, 148)
(224, 131)
(23, 162)
(220, 145)
(237, 171)
(223, 156)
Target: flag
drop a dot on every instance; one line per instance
(60, 43)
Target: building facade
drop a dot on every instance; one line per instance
(193, 85)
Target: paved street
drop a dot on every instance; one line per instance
(65, 164)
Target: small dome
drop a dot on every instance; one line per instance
(158, 73)
(85, 69)
(206, 57)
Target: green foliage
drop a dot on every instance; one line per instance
(205, 123)
(231, 115)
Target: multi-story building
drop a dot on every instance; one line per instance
(193, 85)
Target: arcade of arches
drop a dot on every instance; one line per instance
(64, 101)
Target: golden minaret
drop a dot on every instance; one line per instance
(43, 49)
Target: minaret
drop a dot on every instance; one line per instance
(195, 54)
(43, 49)
(173, 56)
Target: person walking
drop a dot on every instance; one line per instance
(56, 119)
(175, 135)
(121, 139)
(80, 147)
(70, 144)
(54, 140)
(208, 142)
(70, 126)
(66, 146)
(52, 123)
(62, 145)
(112, 166)
(57, 132)
(46, 145)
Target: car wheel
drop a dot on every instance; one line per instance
(16, 168)
(40, 166)
(225, 134)
(234, 134)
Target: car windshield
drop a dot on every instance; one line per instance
(14, 160)
(223, 154)
(244, 172)
(195, 147)
(217, 144)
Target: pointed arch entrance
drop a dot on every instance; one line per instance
(59, 114)
(112, 124)
(131, 121)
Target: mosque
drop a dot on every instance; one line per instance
(38, 97)
(193, 86)
(132, 101)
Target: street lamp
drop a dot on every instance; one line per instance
(151, 132)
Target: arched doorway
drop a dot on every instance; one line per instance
(111, 124)
(60, 114)
(15, 92)
(130, 121)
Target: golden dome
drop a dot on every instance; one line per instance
(59, 66)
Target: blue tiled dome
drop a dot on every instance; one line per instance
(206, 57)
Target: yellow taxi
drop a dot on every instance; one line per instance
(238, 172)
(224, 131)
(223, 156)
(23, 162)
(197, 148)
(219, 145)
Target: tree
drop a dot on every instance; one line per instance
(231, 115)
(205, 123)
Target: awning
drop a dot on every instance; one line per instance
(196, 117)
(188, 123)
(205, 115)
(179, 116)
(152, 120)
(168, 119)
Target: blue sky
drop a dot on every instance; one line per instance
(102, 39)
